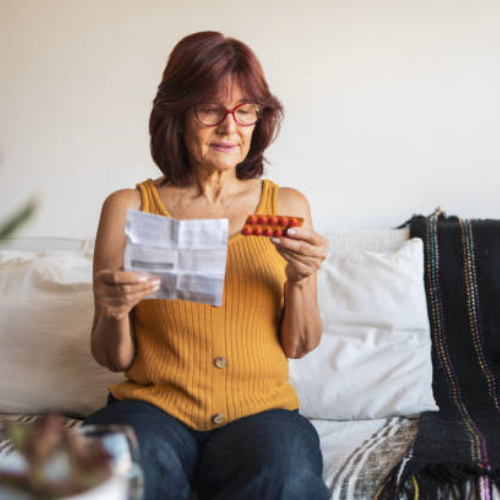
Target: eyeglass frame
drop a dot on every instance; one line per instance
(230, 112)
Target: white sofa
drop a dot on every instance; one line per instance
(46, 314)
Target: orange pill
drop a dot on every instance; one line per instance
(262, 219)
(283, 221)
(257, 231)
(247, 230)
(267, 231)
(293, 222)
(252, 219)
(273, 220)
(278, 233)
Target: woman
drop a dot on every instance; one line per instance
(206, 388)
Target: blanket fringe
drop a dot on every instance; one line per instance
(437, 211)
(445, 481)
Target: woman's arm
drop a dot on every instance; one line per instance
(304, 251)
(116, 292)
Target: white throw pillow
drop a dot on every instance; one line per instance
(374, 359)
(46, 311)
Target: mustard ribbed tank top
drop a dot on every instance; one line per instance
(206, 365)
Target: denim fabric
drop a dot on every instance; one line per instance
(273, 455)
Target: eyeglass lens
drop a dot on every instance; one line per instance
(211, 114)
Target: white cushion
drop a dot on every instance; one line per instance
(374, 359)
(46, 311)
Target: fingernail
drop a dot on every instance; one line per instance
(291, 231)
(274, 240)
(143, 278)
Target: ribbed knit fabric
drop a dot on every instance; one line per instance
(206, 365)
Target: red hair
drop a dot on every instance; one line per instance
(197, 68)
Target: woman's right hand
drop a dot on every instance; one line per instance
(117, 292)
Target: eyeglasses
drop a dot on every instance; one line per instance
(211, 114)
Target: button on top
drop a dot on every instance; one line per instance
(218, 418)
(220, 362)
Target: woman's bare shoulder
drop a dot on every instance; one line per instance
(110, 239)
(114, 209)
(292, 202)
(124, 198)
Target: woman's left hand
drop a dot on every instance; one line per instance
(304, 250)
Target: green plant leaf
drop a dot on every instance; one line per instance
(21, 216)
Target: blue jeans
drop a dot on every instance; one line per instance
(273, 455)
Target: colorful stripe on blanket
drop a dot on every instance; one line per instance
(456, 453)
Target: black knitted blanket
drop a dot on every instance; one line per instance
(456, 453)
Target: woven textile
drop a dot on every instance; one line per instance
(456, 453)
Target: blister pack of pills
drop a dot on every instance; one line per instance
(270, 225)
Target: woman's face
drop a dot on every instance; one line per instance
(220, 147)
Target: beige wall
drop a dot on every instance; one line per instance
(393, 106)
